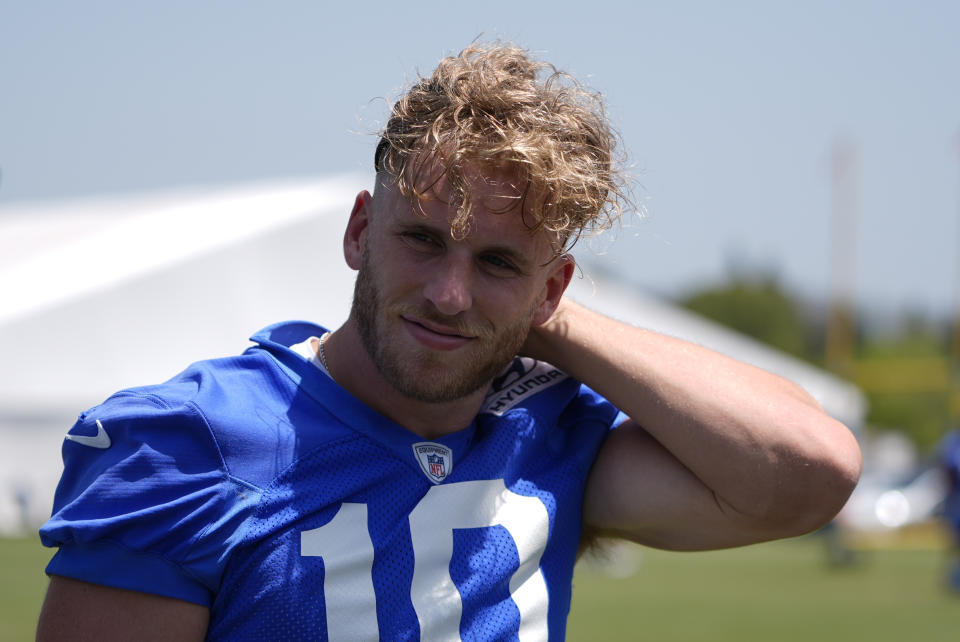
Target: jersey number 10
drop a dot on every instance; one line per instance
(347, 552)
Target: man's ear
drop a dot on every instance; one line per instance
(354, 237)
(556, 285)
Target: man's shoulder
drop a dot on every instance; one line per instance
(233, 385)
(239, 409)
(205, 384)
(190, 403)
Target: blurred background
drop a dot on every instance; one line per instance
(174, 176)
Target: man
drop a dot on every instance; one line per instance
(950, 463)
(408, 475)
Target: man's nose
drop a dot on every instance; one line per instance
(449, 286)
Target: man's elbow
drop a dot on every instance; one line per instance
(829, 479)
(848, 464)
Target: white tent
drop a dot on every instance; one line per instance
(101, 294)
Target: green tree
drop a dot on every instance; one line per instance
(905, 375)
(758, 308)
(904, 372)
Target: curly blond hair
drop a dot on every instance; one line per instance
(493, 107)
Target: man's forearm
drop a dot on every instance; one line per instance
(760, 443)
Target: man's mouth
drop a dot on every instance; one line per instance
(434, 335)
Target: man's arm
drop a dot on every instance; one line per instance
(79, 611)
(717, 453)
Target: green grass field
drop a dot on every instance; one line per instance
(776, 592)
(22, 588)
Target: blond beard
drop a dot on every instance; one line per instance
(421, 376)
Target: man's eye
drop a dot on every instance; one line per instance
(498, 264)
(418, 239)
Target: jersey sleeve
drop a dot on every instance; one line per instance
(587, 420)
(590, 406)
(145, 502)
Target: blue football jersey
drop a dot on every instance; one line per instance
(257, 486)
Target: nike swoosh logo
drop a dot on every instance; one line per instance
(100, 440)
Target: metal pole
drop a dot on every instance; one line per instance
(954, 370)
(843, 258)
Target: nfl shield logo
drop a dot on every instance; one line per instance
(436, 460)
(436, 466)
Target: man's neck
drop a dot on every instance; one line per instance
(359, 376)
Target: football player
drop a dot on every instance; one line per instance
(431, 468)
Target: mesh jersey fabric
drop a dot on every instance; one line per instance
(257, 486)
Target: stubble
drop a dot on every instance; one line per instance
(423, 375)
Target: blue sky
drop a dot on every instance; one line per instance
(728, 111)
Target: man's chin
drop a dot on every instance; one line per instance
(437, 385)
